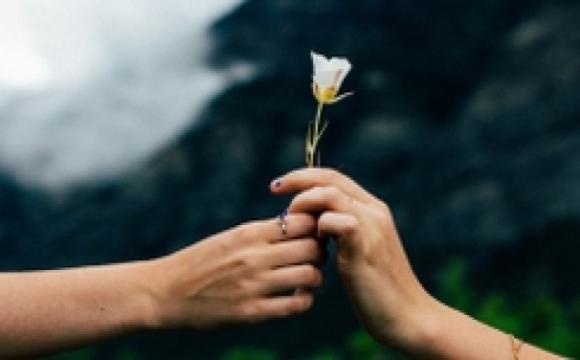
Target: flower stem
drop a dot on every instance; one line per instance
(314, 137)
(317, 119)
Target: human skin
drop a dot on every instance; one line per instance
(389, 299)
(232, 278)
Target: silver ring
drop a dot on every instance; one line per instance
(284, 227)
(283, 223)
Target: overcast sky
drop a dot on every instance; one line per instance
(89, 88)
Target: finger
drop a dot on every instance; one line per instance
(337, 225)
(297, 226)
(303, 179)
(290, 278)
(340, 226)
(293, 252)
(321, 199)
(279, 307)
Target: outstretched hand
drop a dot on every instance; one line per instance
(236, 277)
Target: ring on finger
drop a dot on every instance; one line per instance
(283, 223)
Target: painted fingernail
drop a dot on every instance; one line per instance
(276, 183)
(284, 214)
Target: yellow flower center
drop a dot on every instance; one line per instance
(325, 96)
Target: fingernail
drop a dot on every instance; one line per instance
(283, 214)
(276, 183)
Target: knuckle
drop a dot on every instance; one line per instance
(385, 208)
(384, 216)
(247, 310)
(245, 287)
(246, 230)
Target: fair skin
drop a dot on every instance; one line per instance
(390, 301)
(233, 278)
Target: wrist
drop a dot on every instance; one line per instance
(151, 294)
(420, 328)
(168, 283)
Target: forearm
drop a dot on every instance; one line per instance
(445, 333)
(47, 311)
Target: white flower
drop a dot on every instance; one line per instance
(328, 77)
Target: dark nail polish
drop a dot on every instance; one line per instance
(283, 214)
(277, 183)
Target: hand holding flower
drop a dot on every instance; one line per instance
(371, 259)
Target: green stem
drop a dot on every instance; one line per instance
(315, 136)
(317, 119)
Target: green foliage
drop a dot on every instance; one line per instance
(495, 311)
(248, 353)
(363, 346)
(453, 286)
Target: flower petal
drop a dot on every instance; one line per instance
(325, 79)
(342, 65)
(319, 61)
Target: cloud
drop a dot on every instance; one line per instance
(102, 84)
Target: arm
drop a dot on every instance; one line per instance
(230, 278)
(387, 296)
(51, 310)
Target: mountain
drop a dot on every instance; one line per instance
(465, 120)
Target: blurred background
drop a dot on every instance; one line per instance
(129, 129)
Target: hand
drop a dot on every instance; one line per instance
(386, 294)
(235, 277)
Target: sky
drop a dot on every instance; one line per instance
(89, 89)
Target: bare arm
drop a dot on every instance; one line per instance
(443, 332)
(387, 296)
(45, 311)
(230, 278)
